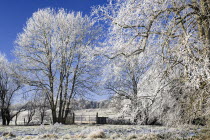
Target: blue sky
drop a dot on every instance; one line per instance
(14, 14)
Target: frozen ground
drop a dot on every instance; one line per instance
(105, 132)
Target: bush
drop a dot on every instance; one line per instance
(200, 121)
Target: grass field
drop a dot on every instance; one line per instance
(106, 132)
(103, 132)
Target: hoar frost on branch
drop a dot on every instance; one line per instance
(9, 86)
(54, 51)
(177, 31)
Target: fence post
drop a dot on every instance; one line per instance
(73, 118)
(97, 118)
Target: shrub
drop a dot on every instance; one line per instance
(200, 121)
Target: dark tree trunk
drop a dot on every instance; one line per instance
(42, 117)
(3, 115)
(54, 117)
(8, 121)
(8, 117)
(4, 120)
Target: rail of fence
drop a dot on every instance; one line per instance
(85, 119)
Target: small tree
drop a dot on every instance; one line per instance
(8, 87)
(42, 106)
(16, 110)
(31, 110)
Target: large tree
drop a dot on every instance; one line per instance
(180, 32)
(55, 52)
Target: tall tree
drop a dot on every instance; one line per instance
(180, 32)
(55, 52)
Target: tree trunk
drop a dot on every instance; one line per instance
(54, 117)
(3, 116)
(8, 121)
(66, 112)
(3, 120)
(8, 117)
(42, 119)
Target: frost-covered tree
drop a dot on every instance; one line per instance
(179, 30)
(31, 110)
(8, 87)
(180, 33)
(55, 53)
(124, 79)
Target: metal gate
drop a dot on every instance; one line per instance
(85, 119)
(91, 119)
